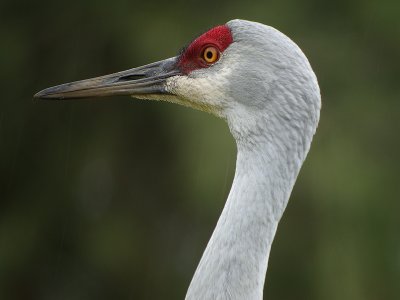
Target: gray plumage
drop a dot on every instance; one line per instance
(265, 89)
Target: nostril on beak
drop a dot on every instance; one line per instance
(131, 77)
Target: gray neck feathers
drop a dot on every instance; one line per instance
(273, 118)
(235, 261)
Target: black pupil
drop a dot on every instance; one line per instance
(209, 54)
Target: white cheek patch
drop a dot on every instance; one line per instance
(182, 91)
(204, 89)
(198, 93)
(193, 90)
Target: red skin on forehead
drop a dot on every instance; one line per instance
(219, 37)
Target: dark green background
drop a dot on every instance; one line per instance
(116, 198)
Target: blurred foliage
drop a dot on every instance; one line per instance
(116, 198)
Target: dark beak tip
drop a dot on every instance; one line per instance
(39, 95)
(43, 94)
(46, 94)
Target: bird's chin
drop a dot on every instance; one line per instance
(176, 99)
(159, 97)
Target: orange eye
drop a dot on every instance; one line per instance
(210, 54)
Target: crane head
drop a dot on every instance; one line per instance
(239, 71)
(153, 81)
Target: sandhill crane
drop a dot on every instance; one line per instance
(261, 83)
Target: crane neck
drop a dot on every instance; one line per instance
(235, 261)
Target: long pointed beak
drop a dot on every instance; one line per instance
(146, 80)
